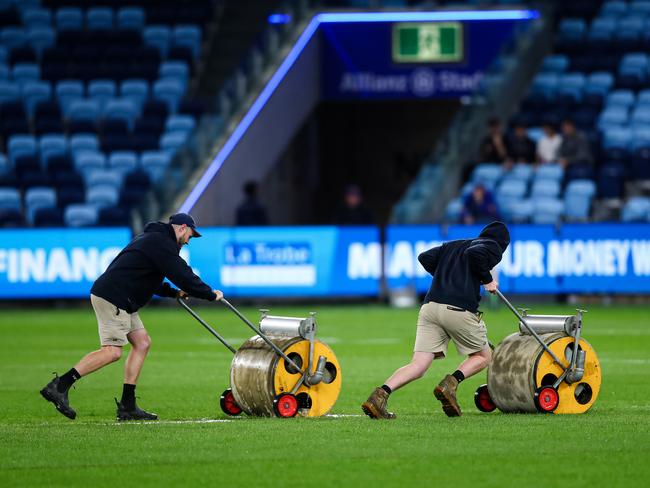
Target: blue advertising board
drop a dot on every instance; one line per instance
(365, 60)
(289, 261)
(335, 261)
(52, 263)
(576, 258)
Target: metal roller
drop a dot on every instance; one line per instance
(258, 374)
(520, 365)
(547, 324)
(288, 326)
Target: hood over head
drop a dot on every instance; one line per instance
(498, 232)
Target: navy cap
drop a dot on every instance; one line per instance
(183, 218)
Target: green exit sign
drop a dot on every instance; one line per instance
(430, 42)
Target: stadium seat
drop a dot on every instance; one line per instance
(68, 91)
(35, 92)
(86, 161)
(488, 173)
(124, 161)
(80, 215)
(184, 123)
(83, 142)
(135, 90)
(41, 38)
(557, 63)
(158, 36)
(10, 199)
(131, 18)
(520, 211)
(102, 196)
(103, 177)
(69, 18)
(33, 17)
(170, 142)
(545, 188)
(38, 197)
(22, 72)
(101, 91)
(636, 209)
(99, 18)
(547, 211)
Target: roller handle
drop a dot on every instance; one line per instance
(530, 329)
(181, 301)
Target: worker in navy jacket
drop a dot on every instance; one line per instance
(450, 311)
(129, 282)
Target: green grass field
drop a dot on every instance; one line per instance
(187, 369)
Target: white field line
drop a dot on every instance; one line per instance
(173, 422)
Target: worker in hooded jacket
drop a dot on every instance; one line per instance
(450, 312)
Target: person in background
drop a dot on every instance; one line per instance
(353, 211)
(493, 146)
(479, 206)
(574, 148)
(521, 148)
(548, 145)
(251, 212)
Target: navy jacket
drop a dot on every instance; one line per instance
(138, 271)
(459, 268)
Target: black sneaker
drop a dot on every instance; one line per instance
(135, 414)
(60, 399)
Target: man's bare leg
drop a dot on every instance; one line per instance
(415, 369)
(98, 359)
(140, 344)
(126, 408)
(476, 362)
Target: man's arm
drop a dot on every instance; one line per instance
(166, 290)
(429, 259)
(482, 256)
(174, 268)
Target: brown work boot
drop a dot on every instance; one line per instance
(375, 406)
(446, 393)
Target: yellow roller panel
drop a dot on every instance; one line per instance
(577, 397)
(323, 395)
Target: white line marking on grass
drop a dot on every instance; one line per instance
(171, 422)
(342, 415)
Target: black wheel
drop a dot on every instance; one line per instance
(228, 403)
(285, 405)
(482, 399)
(546, 399)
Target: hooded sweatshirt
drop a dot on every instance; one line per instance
(138, 271)
(459, 268)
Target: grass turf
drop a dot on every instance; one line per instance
(187, 369)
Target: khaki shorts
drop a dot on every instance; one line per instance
(114, 323)
(438, 322)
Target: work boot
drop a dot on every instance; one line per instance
(60, 399)
(135, 414)
(375, 406)
(446, 393)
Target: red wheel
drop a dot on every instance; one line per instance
(285, 405)
(482, 399)
(546, 399)
(228, 403)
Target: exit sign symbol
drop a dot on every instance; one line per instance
(427, 42)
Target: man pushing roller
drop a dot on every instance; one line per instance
(128, 284)
(450, 311)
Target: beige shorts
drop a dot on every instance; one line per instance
(114, 323)
(438, 322)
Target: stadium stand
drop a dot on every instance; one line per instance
(598, 76)
(94, 104)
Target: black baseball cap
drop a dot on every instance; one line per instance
(183, 218)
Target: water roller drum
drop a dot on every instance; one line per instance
(282, 371)
(537, 370)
